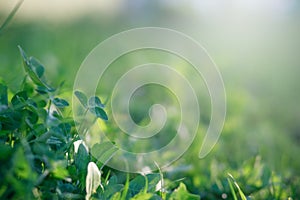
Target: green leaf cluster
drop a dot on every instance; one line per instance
(38, 156)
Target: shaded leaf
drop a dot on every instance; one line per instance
(39, 148)
(95, 101)
(81, 97)
(19, 99)
(44, 90)
(104, 151)
(99, 112)
(60, 103)
(81, 158)
(37, 67)
(77, 144)
(111, 189)
(32, 104)
(3, 95)
(30, 117)
(66, 187)
(54, 140)
(139, 183)
(6, 152)
(33, 70)
(23, 54)
(10, 119)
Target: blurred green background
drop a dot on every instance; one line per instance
(255, 44)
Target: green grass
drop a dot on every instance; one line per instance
(38, 158)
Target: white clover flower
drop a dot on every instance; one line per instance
(93, 179)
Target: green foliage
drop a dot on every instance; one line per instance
(60, 103)
(39, 159)
(35, 71)
(182, 194)
(259, 145)
(103, 152)
(99, 112)
(3, 95)
(82, 98)
(147, 182)
(231, 181)
(94, 105)
(95, 102)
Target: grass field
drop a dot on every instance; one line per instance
(256, 156)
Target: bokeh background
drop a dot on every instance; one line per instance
(255, 44)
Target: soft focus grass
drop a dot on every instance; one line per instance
(254, 138)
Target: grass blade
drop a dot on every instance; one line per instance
(241, 193)
(232, 189)
(11, 15)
